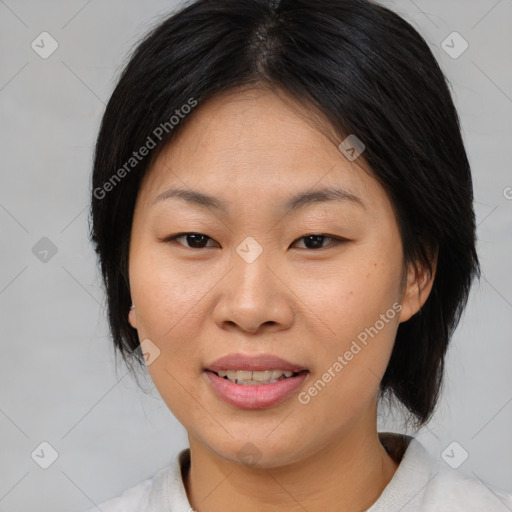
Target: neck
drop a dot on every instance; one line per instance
(347, 475)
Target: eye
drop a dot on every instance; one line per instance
(315, 240)
(196, 240)
(199, 240)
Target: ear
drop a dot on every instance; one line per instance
(132, 318)
(418, 288)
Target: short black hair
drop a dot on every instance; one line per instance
(369, 73)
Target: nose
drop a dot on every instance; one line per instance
(255, 296)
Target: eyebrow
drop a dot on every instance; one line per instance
(295, 203)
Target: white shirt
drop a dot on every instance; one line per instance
(420, 484)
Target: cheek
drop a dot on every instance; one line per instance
(350, 364)
(168, 296)
(351, 294)
(169, 311)
(356, 315)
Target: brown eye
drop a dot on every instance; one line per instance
(192, 240)
(315, 241)
(199, 240)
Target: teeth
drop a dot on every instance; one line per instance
(239, 375)
(261, 376)
(254, 377)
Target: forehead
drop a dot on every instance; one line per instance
(255, 140)
(256, 122)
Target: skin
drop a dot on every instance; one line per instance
(254, 149)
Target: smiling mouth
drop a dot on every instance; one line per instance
(256, 378)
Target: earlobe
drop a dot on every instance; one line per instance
(419, 286)
(132, 317)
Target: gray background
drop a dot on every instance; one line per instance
(58, 378)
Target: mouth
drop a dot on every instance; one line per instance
(254, 381)
(257, 377)
(248, 393)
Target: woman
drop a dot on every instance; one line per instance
(282, 211)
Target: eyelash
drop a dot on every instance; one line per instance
(335, 239)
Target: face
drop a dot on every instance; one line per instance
(253, 276)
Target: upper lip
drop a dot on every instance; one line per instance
(257, 362)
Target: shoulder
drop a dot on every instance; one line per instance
(131, 500)
(163, 491)
(424, 484)
(460, 492)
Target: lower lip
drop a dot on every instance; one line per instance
(256, 396)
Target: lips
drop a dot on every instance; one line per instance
(261, 395)
(258, 362)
